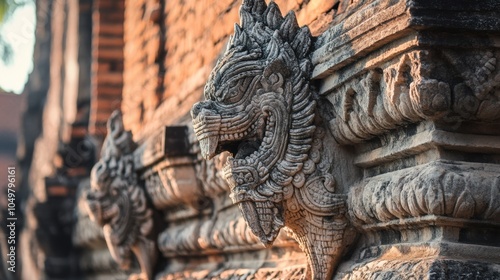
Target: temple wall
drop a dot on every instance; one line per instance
(371, 150)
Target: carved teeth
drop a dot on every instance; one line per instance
(234, 136)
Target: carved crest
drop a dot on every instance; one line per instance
(261, 109)
(118, 204)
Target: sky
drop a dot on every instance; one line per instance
(19, 31)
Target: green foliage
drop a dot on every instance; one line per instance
(5, 48)
(4, 8)
(7, 8)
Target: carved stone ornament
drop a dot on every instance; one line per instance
(118, 204)
(261, 109)
(446, 189)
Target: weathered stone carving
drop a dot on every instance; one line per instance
(203, 223)
(118, 203)
(438, 189)
(418, 268)
(261, 108)
(173, 185)
(412, 88)
(226, 232)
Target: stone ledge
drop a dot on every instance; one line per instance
(381, 22)
(425, 140)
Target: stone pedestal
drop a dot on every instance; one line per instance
(426, 208)
(414, 89)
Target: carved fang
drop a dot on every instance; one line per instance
(208, 146)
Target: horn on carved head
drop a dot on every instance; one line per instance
(272, 16)
(261, 20)
(115, 123)
(255, 7)
(302, 42)
(273, 48)
(290, 26)
(240, 36)
(246, 19)
(237, 31)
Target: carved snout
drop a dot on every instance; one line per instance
(94, 208)
(200, 106)
(99, 175)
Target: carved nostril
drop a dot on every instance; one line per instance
(198, 107)
(196, 110)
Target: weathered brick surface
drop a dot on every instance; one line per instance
(107, 62)
(158, 67)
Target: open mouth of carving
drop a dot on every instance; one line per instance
(251, 151)
(216, 136)
(246, 151)
(241, 149)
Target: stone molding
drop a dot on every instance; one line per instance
(374, 27)
(394, 269)
(459, 190)
(393, 63)
(412, 87)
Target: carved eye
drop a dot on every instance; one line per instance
(233, 92)
(220, 95)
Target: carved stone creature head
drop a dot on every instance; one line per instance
(118, 203)
(108, 174)
(259, 108)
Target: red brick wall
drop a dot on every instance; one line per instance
(107, 62)
(143, 60)
(173, 68)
